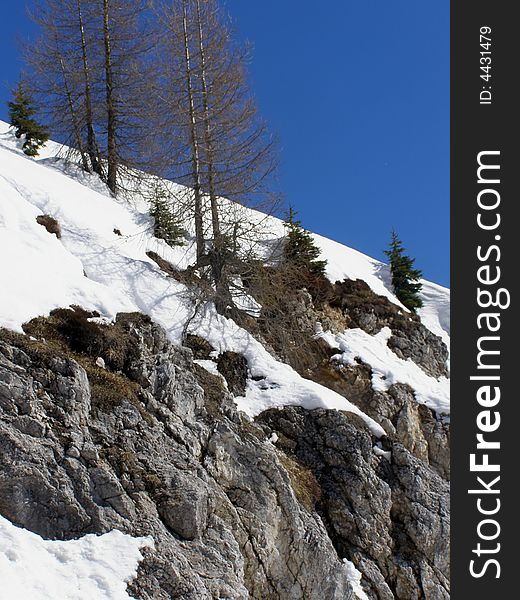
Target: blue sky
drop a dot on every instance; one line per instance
(358, 92)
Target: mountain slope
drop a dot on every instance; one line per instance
(93, 267)
(388, 373)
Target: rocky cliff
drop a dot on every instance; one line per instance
(113, 426)
(296, 448)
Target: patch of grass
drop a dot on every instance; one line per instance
(304, 483)
(37, 350)
(200, 347)
(109, 389)
(71, 329)
(67, 333)
(124, 461)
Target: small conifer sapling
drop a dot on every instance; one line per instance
(300, 249)
(166, 226)
(21, 117)
(405, 278)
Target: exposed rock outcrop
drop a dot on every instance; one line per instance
(152, 444)
(145, 450)
(388, 514)
(417, 427)
(410, 338)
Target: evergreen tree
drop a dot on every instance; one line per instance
(21, 116)
(300, 249)
(405, 279)
(166, 226)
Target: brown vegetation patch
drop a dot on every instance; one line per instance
(288, 318)
(69, 334)
(303, 481)
(356, 300)
(50, 224)
(200, 347)
(109, 389)
(71, 329)
(36, 350)
(126, 462)
(214, 390)
(234, 369)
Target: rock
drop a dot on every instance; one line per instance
(233, 367)
(153, 445)
(419, 344)
(410, 338)
(185, 507)
(168, 462)
(390, 518)
(50, 224)
(73, 452)
(417, 427)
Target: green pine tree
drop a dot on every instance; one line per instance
(166, 226)
(21, 116)
(405, 279)
(300, 249)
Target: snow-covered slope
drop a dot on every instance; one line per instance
(98, 269)
(101, 263)
(93, 567)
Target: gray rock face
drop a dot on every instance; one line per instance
(422, 346)
(410, 338)
(389, 516)
(417, 427)
(153, 445)
(149, 451)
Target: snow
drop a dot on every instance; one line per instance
(347, 263)
(344, 262)
(211, 367)
(91, 568)
(384, 453)
(388, 368)
(95, 268)
(272, 384)
(354, 577)
(435, 314)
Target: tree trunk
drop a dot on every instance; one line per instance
(195, 155)
(111, 110)
(222, 297)
(74, 120)
(207, 135)
(92, 149)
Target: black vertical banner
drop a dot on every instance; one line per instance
(485, 195)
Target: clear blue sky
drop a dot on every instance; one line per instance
(358, 92)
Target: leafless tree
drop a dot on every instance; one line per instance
(60, 74)
(217, 145)
(90, 65)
